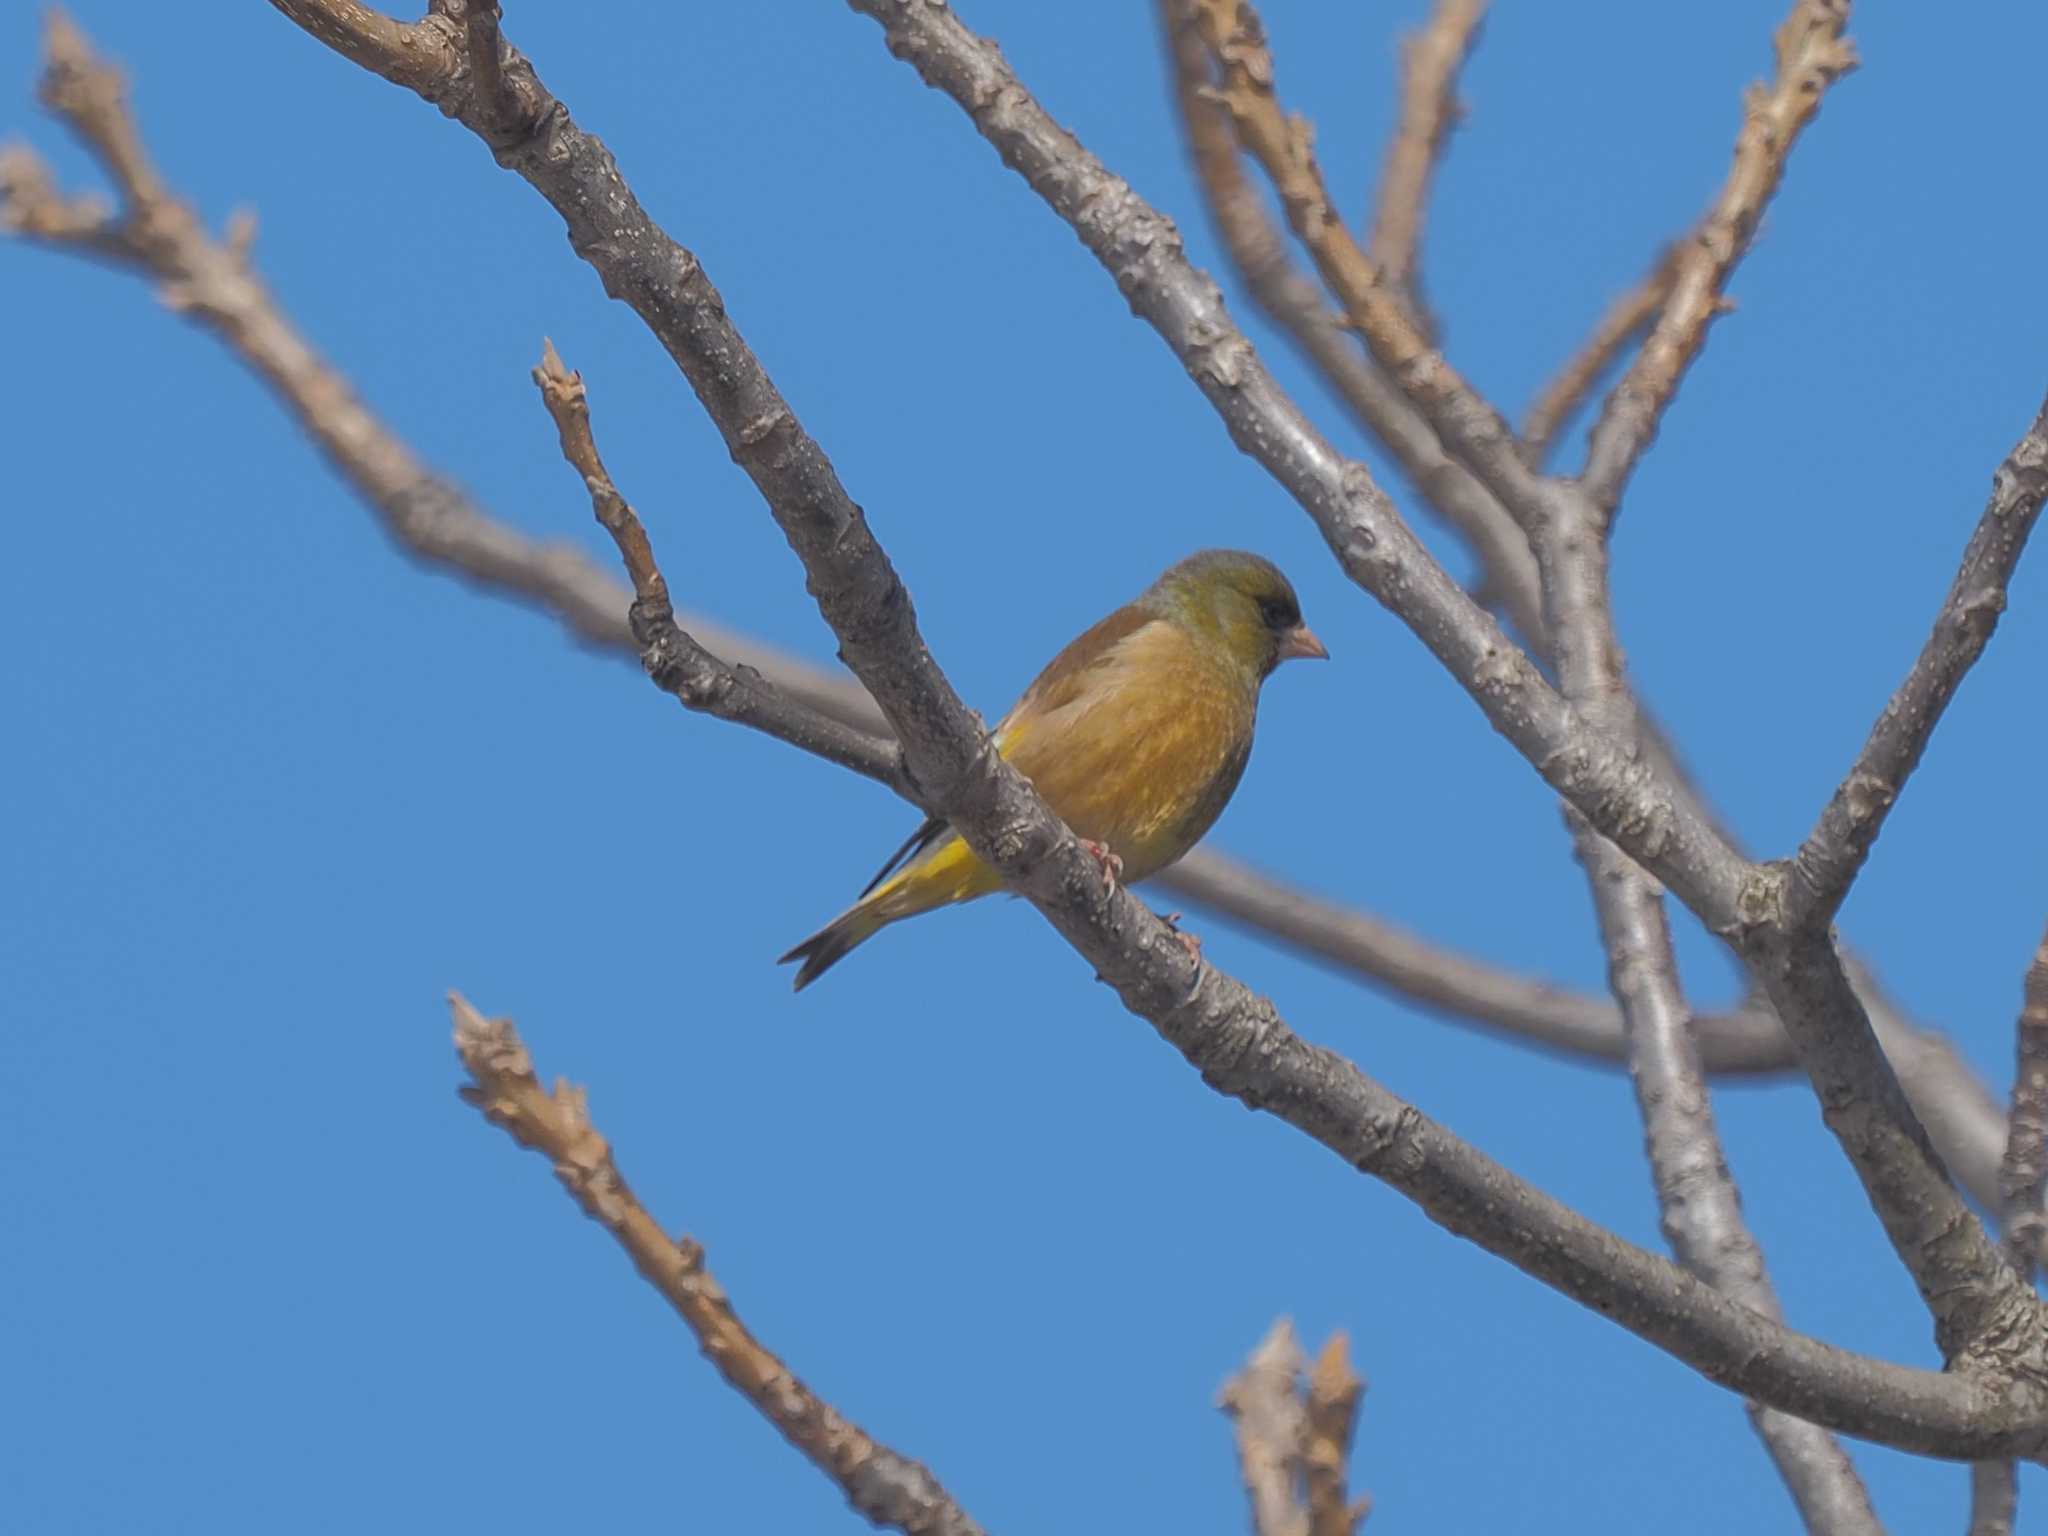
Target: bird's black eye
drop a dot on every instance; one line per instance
(1278, 613)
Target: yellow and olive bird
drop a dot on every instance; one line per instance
(1136, 735)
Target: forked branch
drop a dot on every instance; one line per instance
(1812, 55)
(1430, 61)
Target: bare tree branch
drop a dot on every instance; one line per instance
(1430, 61)
(1628, 317)
(1984, 1320)
(888, 1488)
(2023, 1173)
(1696, 1195)
(676, 662)
(1812, 55)
(1294, 1436)
(1507, 580)
(1980, 1314)
(1834, 851)
(1457, 986)
(1994, 1498)
(2022, 1183)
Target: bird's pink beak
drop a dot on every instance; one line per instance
(1302, 641)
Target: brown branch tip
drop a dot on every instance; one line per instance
(89, 96)
(568, 402)
(1294, 1435)
(1811, 55)
(886, 1487)
(31, 205)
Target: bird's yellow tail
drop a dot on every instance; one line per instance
(945, 871)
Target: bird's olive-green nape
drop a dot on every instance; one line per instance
(1242, 600)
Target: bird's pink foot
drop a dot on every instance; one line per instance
(1112, 866)
(1188, 941)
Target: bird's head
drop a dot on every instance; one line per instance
(1239, 602)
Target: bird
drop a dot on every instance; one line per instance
(1135, 735)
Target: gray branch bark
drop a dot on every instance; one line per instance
(1834, 851)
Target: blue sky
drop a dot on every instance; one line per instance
(271, 790)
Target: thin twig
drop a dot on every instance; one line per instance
(567, 401)
(677, 663)
(1430, 62)
(1627, 318)
(887, 1487)
(1834, 851)
(1812, 55)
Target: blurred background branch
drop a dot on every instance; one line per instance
(888, 1488)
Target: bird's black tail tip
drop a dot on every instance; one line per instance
(819, 953)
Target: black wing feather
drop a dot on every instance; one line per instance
(918, 841)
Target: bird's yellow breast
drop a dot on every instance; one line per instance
(1143, 753)
(1137, 747)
